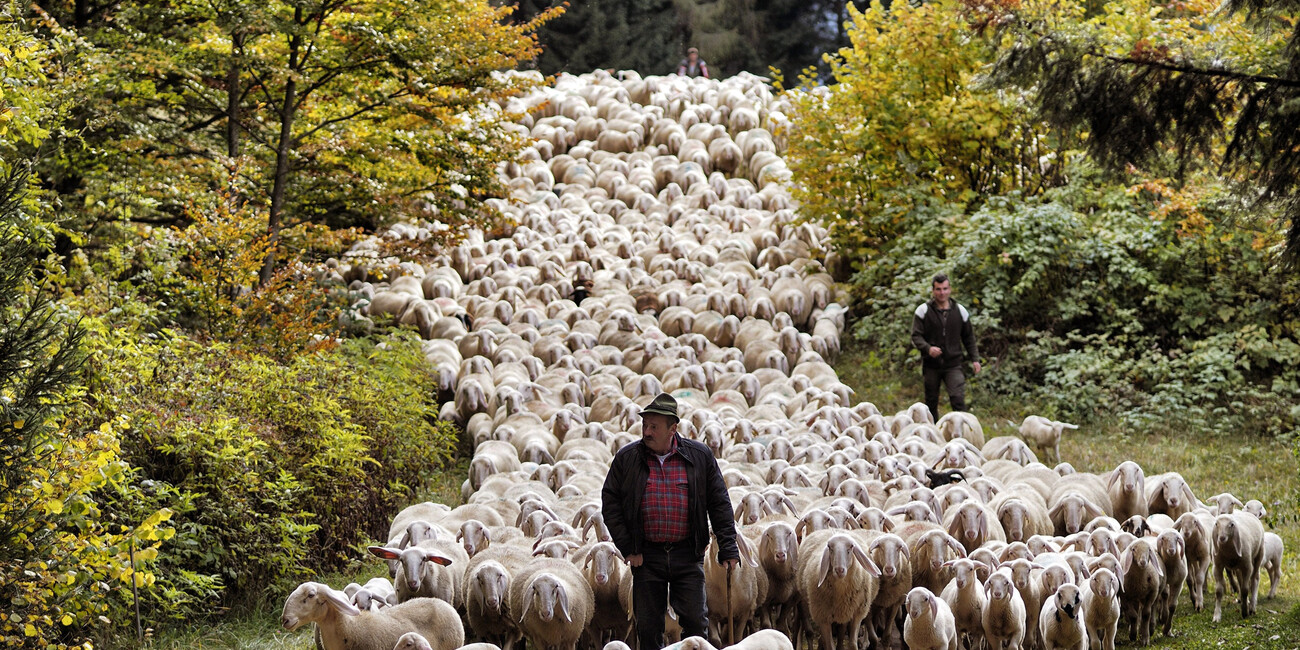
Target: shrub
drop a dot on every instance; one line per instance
(275, 468)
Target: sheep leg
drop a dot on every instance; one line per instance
(1218, 594)
(854, 629)
(1196, 581)
(1274, 574)
(828, 638)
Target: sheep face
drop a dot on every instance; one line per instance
(838, 557)
(412, 561)
(601, 562)
(491, 584)
(1068, 600)
(310, 602)
(921, 604)
(548, 597)
(1104, 584)
(889, 552)
(999, 586)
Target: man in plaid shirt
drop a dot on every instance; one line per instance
(660, 496)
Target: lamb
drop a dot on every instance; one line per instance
(344, 627)
(1044, 433)
(929, 624)
(1198, 550)
(412, 641)
(552, 604)
(1272, 561)
(1169, 545)
(1144, 581)
(1101, 608)
(965, 597)
(1238, 549)
(487, 590)
(1004, 612)
(838, 584)
(1060, 622)
(422, 571)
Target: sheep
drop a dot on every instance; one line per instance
(747, 581)
(1127, 487)
(760, 640)
(1198, 550)
(1238, 549)
(1004, 612)
(1143, 583)
(344, 627)
(422, 570)
(973, 524)
(1044, 433)
(376, 593)
(929, 624)
(412, 641)
(965, 597)
(551, 603)
(1060, 621)
(1101, 608)
(1169, 494)
(1272, 561)
(837, 582)
(1170, 547)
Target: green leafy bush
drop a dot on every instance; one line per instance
(273, 468)
(1092, 299)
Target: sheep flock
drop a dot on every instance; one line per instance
(666, 200)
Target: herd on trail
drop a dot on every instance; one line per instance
(667, 197)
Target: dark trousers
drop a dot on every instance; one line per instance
(668, 573)
(954, 379)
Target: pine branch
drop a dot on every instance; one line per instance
(1208, 72)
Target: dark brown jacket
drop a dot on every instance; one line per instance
(706, 495)
(948, 330)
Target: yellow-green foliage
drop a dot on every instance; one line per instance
(274, 468)
(905, 123)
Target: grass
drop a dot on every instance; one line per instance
(1249, 466)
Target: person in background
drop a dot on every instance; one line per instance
(660, 496)
(693, 65)
(940, 328)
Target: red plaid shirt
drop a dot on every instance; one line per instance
(664, 511)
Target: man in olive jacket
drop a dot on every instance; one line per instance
(940, 328)
(660, 495)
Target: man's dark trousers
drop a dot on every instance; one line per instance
(956, 383)
(668, 571)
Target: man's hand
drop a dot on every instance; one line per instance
(732, 563)
(634, 560)
(934, 352)
(977, 367)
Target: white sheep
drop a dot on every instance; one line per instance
(965, 597)
(1172, 552)
(1101, 608)
(1273, 561)
(1004, 612)
(929, 624)
(1238, 549)
(344, 627)
(1060, 622)
(837, 582)
(1198, 549)
(1143, 582)
(552, 604)
(1127, 486)
(413, 641)
(1044, 434)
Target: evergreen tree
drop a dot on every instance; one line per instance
(1176, 86)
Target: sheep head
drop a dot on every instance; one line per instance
(549, 596)
(838, 557)
(310, 602)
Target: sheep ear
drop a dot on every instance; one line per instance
(1187, 491)
(825, 567)
(865, 561)
(385, 552)
(529, 594)
(1056, 509)
(563, 595)
(934, 607)
(887, 525)
(955, 546)
(1114, 476)
(340, 601)
(460, 534)
(1126, 563)
(430, 556)
(785, 500)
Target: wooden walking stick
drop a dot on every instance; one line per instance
(731, 620)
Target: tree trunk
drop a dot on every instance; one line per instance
(282, 151)
(232, 95)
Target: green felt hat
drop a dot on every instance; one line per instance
(664, 404)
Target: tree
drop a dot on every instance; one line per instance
(1181, 86)
(347, 114)
(906, 124)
